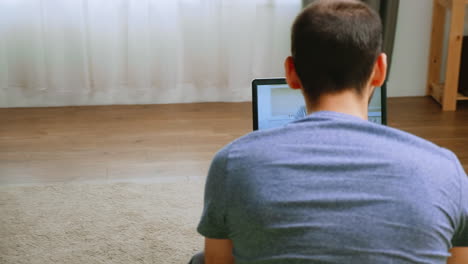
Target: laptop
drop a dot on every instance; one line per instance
(275, 104)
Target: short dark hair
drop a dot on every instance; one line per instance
(335, 44)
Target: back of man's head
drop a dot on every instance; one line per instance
(335, 44)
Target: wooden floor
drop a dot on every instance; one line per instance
(164, 142)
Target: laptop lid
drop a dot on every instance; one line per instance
(275, 104)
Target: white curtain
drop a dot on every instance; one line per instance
(88, 52)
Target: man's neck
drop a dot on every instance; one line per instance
(347, 102)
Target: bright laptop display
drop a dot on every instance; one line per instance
(275, 104)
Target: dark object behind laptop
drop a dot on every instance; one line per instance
(463, 80)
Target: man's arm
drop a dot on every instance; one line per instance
(218, 251)
(459, 255)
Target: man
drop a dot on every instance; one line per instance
(333, 187)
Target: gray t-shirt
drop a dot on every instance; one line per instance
(332, 188)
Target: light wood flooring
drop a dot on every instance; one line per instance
(164, 142)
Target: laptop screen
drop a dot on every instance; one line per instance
(275, 104)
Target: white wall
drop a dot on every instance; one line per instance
(411, 52)
(410, 56)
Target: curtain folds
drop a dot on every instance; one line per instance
(83, 52)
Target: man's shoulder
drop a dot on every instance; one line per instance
(366, 129)
(408, 140)
(365, 134)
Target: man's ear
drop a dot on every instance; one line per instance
(291, 74)
(380, 71)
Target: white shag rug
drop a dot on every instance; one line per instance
(100, 223)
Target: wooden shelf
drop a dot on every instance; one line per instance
(448, 3)
(446, 93)
(461, 97)
(436, 91)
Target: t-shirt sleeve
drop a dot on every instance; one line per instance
(461, 236)
(213, 219)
